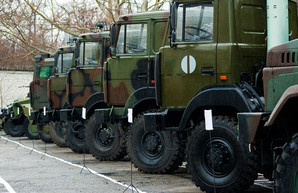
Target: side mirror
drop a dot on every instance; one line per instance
(112, 49)
(113, 35)
(173, 23)
(112, 52)
(77, 62)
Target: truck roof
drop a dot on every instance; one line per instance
(94, 36)
(144, 16)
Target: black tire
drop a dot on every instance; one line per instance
(30, 129)
(43, 131)
(154, 152)
(286, 173)
(6, 126)
(57, 132)
(234, 165)
(106, 142)
(15, 127)
(76, 137)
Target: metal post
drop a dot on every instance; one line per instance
(277, 22)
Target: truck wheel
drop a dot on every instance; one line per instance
(286, 173)
(15, 127)
(44, 133)
(223, 162)
(30, 130)
(154, 152)
(57, 133)
(6, 126)
(106, 142)
(75, 137)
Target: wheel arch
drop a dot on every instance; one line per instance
(95, 101)
(141, 100)
(283, 118)
(286, 107)
(221, 99)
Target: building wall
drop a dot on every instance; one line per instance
(13, 85)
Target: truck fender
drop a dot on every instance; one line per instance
(139, 96)
(291, 92)
(219, 95)
(93, 101)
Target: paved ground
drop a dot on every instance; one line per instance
(32, 166)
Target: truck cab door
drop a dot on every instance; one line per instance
(190, 65)
(128, 70)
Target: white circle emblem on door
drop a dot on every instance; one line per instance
(188, 64)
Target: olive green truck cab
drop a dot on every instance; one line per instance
(128, 82)
(215, 61)
(84, 87)
(57, 93)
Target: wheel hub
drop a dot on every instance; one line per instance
(152, 143)
(219, 155)
(104, 136)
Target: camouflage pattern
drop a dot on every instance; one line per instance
(38, 87)
(19, 113)
(133, 66)
(20, 107)
(86, 79)
(64, 60)
(280, 73)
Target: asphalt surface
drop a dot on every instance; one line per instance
(33, 166)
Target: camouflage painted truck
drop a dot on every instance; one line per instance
(84, 87)
(3, 116)
(17, 122)
(215, 61)
(57, 93)
(128, 82)
(38, 94)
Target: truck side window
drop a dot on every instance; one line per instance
(45, 71)
(195, 22)
(132, 39)
(89, 53)
(64, 62)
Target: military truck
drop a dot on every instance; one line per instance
(128, 82)
(3, 116)
(214, 61)
(47, 66)
(17, 121)
(84, 87)
(57, 93)
(38, 94)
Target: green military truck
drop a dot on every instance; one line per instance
(17, 121)
(57, 93)
(128, 82)
(215, 61)
(84, 87)
(38, 94)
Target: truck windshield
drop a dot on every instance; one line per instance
(89, 53)
(64, 62)
(195, 22)
(132, 39)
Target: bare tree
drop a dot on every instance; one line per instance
(29, 27)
